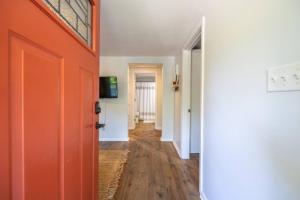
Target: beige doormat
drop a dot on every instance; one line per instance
(111, 163)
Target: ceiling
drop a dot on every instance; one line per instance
(147, 27)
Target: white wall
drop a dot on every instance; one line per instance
(116, 114)
(182, 103)
(177, 108)
(252, 137)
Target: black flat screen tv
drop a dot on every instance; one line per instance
(108, 87)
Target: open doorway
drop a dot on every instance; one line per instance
(192, 99)
(145, 87)
(145, 98)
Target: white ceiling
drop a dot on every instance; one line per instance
(147, 27)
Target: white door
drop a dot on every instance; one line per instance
(195, 101)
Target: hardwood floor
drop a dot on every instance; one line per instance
(154, 170)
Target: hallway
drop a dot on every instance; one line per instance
(154, 170)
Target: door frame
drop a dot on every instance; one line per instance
(202, 117)
(198, 34)
(140, 68)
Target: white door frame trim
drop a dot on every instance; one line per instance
(202, 115)
(140, 68)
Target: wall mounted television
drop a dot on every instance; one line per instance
(108, 87)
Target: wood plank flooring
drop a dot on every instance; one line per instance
(153, 170)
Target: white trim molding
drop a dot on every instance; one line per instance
(203, 196)
(166, 140)
(114, 139)
(194, 37)
(176, 148)
(202, 117)
(131, 128)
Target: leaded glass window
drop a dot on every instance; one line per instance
(77, 14)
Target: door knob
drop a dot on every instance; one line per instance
(98, 126)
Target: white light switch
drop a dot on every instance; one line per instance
(284, 78)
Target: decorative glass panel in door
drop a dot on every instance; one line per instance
(77, 14)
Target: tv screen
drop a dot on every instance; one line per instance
(108, 87)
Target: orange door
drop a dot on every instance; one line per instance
(49, 86)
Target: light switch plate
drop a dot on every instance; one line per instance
(284, 78)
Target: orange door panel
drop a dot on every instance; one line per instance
(49, 86)
(35, 122)
(87, 131)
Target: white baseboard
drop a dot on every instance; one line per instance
(166, 140)
(177, 149)
(185, 155)
(131, 128)
(149, 121)
(203, 196)
(114, 139)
